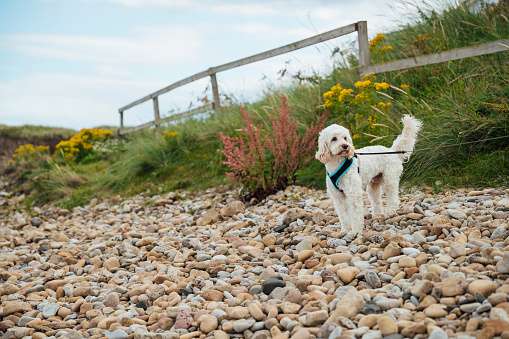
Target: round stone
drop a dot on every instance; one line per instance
(485, 287)
(435, 311)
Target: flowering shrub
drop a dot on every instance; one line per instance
(378, 48)
(25, 152)
(427, 43)
(80, 145)
(266, 165)
(357, 109)
(167, 135)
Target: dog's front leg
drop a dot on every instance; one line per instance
(356, 214)
(341, 209)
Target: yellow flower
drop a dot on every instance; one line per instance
(389, 105)
(336, 88)
(370, 76)
(405, 87)
(169, 134)
(379, 37)
(358, 116)
(358, 84)
(356, 136)
(381, 85)
(386, 49)
(344, 94)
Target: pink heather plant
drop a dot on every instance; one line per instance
(268, 168)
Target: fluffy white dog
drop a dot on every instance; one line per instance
(348, 174)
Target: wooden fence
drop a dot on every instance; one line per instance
(365, 67)
(360, 27)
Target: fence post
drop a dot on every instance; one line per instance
(156, 112)
(362, 31)
(215, 93)
(121, 122)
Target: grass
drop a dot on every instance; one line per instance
(32, 132)
(458, 101)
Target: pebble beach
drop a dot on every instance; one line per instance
(182, 265)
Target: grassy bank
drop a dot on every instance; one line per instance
(460, 101)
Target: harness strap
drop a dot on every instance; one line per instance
(334, 178)
(377, 153)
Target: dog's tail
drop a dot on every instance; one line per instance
(406, 140)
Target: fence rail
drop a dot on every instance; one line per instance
(423, 60)
(365, 67)
(201, 109)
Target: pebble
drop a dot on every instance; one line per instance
(436, 311)
(118, 334)
(270, 284)
(373, 280)
(438, 334)
(457, 250)
(50, 310)
(387, 326)
(242, 325)
(503, 265)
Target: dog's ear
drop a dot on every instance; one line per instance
(323, 153)
(351, 149)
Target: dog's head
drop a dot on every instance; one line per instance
(334, 140)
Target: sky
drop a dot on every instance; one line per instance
(74, 63)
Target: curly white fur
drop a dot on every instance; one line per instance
(376, 173)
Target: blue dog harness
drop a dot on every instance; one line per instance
(334, 178)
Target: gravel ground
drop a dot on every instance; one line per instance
(207, 266)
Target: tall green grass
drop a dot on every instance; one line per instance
(35, 132)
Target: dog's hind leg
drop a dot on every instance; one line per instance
(391, 189)
(375, 190)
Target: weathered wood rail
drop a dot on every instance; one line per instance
(365, 67)
(423, 60)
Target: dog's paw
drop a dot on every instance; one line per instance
(354, 234)
(389, 212)
(345, 229)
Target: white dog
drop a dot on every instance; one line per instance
(348, 174)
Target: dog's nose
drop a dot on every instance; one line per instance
(345, 146)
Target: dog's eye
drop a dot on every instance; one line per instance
(334, 139)
(346, 139)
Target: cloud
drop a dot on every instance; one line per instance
(265, 30)
(322, 13)
(147, 45)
